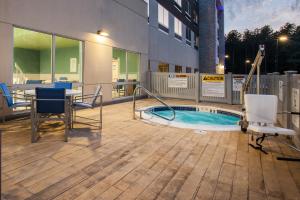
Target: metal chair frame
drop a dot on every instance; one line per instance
(93, 122)
(37, 118)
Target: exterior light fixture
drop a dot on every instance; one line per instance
(248, 61)
(283, 38)
(226, 56)
(103, 33)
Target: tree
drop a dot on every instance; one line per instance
(242, 46)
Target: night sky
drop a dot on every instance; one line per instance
(251, 14)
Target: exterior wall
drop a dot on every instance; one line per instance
(221, 36)
(124, 20)
(165, 47)
(211, 36)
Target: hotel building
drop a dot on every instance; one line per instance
(112, 42)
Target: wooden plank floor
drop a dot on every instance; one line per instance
(137, 160)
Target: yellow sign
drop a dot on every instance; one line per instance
(213, 78)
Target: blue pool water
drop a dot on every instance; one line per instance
(200, 118)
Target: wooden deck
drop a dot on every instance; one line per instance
(135, 160)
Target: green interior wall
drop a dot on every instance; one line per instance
(62, 59)
(121, 55)
(45, 62)
(35, 61)
(28, 60)
(133, 60)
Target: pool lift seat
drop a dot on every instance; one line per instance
(261, 111)
(261, 114)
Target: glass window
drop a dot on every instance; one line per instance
(178, 27)
(188, 35)
(196, 41)
(147, 1)
(188, 8)
(163, 16)
(163, 67)
(178, 2)
(125, 69)
(68, 60)
(178, 69)
(188, 70)
(32, 57)
(133, 64)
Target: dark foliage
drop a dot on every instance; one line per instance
(244, 46)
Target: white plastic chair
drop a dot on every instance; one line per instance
(261, 114)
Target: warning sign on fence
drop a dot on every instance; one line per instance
(177, 81)
(237, 83)
(213, 85)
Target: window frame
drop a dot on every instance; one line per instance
(188, 32)
(178, 3)
(178, 28)
(126, 62)
(164, 25)
(53, 46)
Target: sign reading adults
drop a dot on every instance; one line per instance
(177, 81)
(213, 85)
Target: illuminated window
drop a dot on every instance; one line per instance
(163, 67)
(125, 72)
(178, 2)
(178, 69)
(36, 62)
(178, 27)
(163, 16)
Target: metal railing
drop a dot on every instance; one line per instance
(138, 87)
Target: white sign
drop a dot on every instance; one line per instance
(280, 84)
(177, 81)
(115, 70)
(213, 86)
(237, 83)
(73, 65)
(295, 106)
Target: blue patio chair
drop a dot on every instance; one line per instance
(9, 99)
(65, 85)
(50, 102)
(89, 101)
(34, 82)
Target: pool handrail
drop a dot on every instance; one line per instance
(138, 87)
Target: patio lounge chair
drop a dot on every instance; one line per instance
(9, 99)
(65, 85)
(81, 102)
(261, 114)
(49, 102)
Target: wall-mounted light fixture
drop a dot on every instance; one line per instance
(103, 33)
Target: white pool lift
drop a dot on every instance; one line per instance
(261, 111)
